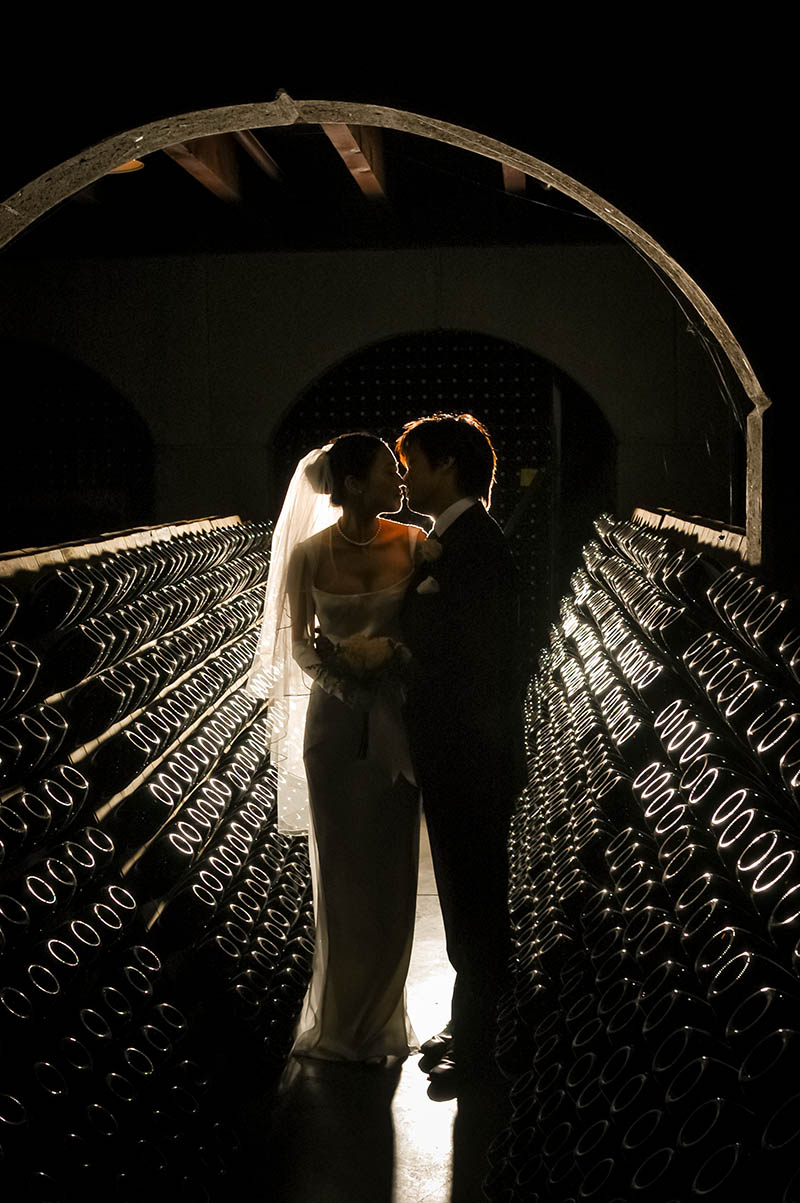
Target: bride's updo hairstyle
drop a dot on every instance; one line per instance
(349, 455)
(460, 437)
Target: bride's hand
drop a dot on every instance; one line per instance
(355, 694)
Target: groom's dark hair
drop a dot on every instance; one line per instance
(460, 436)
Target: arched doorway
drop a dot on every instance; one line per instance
(538, 418)
(70, 177)
(63, 475)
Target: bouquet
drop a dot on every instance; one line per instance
(363, 659)
(359, 665)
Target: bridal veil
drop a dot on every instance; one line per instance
(275, 674)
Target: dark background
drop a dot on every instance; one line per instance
(692, 139)
(690, 135)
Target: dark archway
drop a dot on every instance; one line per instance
(538, 419)
(79, 458)
(36, 198)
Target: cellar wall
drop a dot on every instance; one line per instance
(213, 351)
(156, 930)
(155, 927)
(651, 1037)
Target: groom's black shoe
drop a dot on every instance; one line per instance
(435, 1048)
(446, 1080)
(440, 1042)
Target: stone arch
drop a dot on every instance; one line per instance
(537, 416)
(70, 177)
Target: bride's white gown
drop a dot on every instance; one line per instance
(364, 843)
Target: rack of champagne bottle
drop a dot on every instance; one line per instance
(155, 927)
(652, 1034)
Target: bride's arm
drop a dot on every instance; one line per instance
(301, 609)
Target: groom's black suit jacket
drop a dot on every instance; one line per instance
(464, 708)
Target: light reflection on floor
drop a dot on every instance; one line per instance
(423, 1128)
(356, 1134)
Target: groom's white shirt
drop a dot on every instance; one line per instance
(448, 516)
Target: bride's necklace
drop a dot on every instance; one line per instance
(358, 542)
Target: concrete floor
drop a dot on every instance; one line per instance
(355, 1134)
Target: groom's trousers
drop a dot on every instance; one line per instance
(468, 823)
(465, 725)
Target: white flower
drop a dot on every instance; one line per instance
(429, 585)
(364, 654)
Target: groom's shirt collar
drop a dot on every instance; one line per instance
(448, 516)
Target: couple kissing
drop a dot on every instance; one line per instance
(392, 665)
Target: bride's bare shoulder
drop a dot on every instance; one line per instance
(405, 530)
(314, 542)
(309, 549)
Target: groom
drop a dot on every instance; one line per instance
(464, 714)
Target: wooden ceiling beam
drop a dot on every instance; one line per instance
(513, 179)
(212, 162)
(361, 150)
(249, 142)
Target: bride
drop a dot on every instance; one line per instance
(338, 570)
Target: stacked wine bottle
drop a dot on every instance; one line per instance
(155, 928)
(652, 1036)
